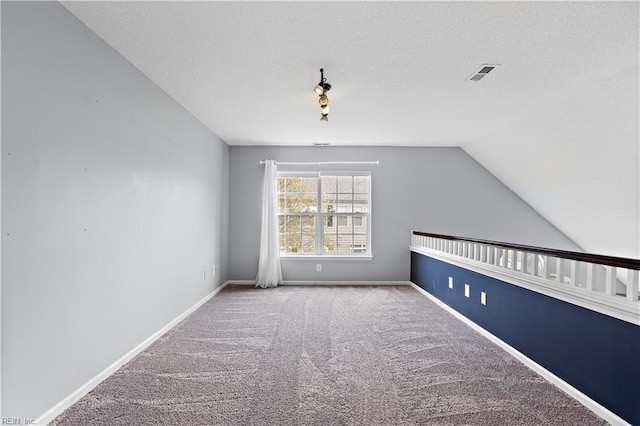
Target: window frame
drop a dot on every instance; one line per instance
(320, 217)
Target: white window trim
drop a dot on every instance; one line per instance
(320, 215)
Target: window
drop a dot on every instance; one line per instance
(324, 214)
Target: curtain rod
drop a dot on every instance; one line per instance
(320, 163)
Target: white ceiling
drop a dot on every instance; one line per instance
(398, 69)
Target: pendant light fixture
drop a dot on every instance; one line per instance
(321, 89)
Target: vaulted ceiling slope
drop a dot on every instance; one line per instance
(557, 121)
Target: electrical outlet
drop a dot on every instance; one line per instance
(450, 282)
(483, 298)
(319, 267)
(214, 270)
(466, 290)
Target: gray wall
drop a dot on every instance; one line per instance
(114, 204)
(440, 190)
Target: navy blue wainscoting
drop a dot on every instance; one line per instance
(597, 354)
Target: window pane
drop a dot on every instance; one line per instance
(309, 224)
(345, 203)
(281, 208)
(357, 221)
(345, 184)
(329, 221)
(361, 203)
(293, 243)
(308, 243)
(308, 203)
(344, 243)
(342, 221)
(360, 239)
(292, 184)
(309, 184)
(361, 184)
(297, 194)
(329, 244)
(329, 204)
(292, 224)
(329, 184)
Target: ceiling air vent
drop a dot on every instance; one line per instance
(482, 72)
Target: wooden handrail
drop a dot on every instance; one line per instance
(618, 262)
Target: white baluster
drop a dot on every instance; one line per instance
(591, 273)
(573, 274)
(610, 281)
(632, 284)
(558, 269)
(544, 272)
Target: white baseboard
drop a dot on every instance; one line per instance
(345, 283)
(592, 405)
(241, 282)
(57, 409)
(338, 283)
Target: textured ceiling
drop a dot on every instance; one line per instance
(557, 122)
(398, 69)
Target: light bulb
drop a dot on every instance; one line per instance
(324, 117)
(323, 100)
(325, 109)
(319, 89)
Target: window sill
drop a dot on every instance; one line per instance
(326, 257)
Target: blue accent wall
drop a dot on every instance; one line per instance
(595, 353)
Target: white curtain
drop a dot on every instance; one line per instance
(269, 271)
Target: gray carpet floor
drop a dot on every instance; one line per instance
(343, 355)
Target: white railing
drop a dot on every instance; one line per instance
(613, 278)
